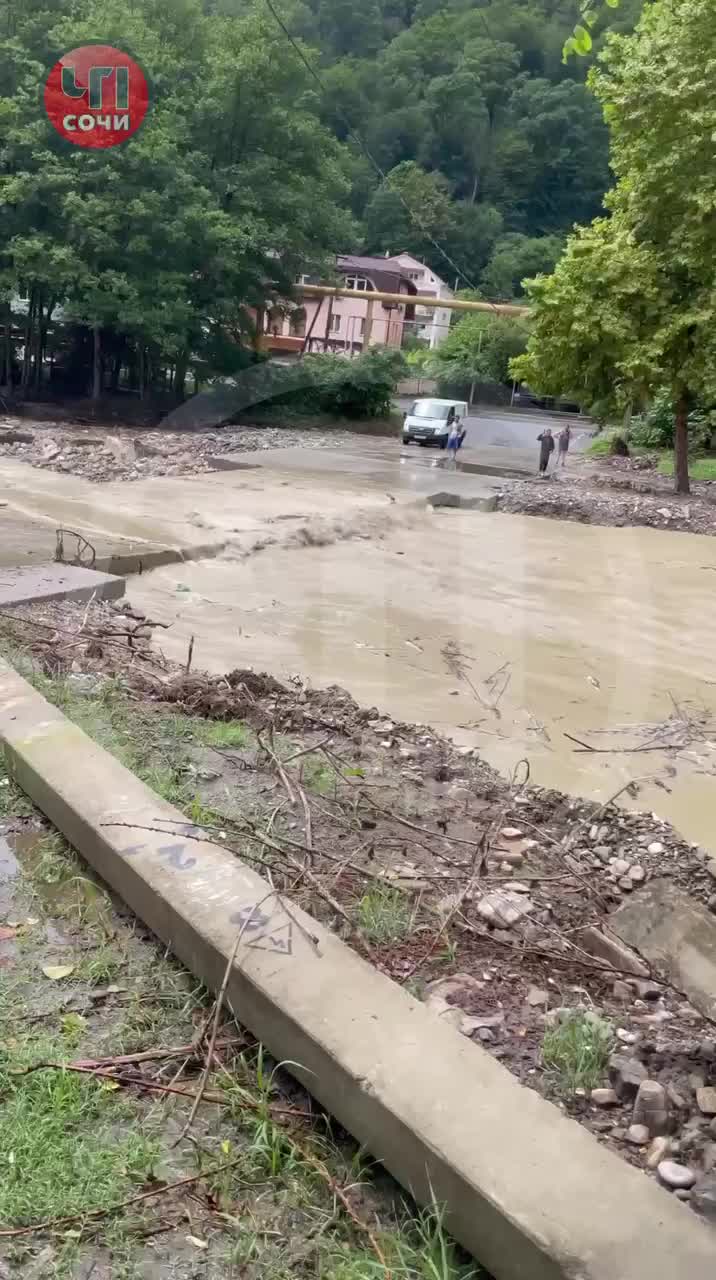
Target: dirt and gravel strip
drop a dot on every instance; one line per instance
(488, 897)
(102, 456)
(615, 492)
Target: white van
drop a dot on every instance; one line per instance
(429, 421)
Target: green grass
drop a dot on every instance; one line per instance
(576, 1051)
(318, 775)
(601, 446)
(67, 1145)
(700, 468)
(385, 914)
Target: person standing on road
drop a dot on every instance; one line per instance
(546, 449)
(455, 438)
(563, 440)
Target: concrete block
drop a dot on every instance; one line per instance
(31, 584)
(676, 933)
(529, 1192)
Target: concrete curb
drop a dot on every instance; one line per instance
(527, 1191)
(142, 560)
(38, 584)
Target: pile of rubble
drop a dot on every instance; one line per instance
(616, 492)
(126, 455)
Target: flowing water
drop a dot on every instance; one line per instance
(505, 632)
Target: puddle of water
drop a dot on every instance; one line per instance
(594, 628)
(61, 891)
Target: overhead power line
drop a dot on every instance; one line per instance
(360, 143)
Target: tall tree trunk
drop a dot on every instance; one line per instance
(29, 332)
(7, 372)
(180, 373)
(681, 444)
(140, 365)
(96, 362)
(37, 353)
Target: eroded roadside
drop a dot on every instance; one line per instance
(105, 1173)
(490, 898)
(617, 492)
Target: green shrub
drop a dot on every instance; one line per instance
(655, 428)
(362, 387)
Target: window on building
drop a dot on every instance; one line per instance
(335, 324)
(415, 275)
(361, 329)
(297, 323)
(359, 283)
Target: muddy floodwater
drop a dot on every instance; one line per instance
(505, 632)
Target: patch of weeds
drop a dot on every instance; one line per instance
(318, 775)
(418, 1249)
(100, 966)
(13, 802)
(385, 914)
(67, 1144)
(220, 733)
(50, 861)
(576, 1051)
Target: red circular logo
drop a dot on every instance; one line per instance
(96, 96)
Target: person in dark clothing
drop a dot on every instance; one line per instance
(546, 449)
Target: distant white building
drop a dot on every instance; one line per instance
(432, 326)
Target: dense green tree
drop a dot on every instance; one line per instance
(515, 258)
(479, 348)
(631, 304)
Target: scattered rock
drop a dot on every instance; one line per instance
(657, 1152)
(604, 1097)
(676, 1099)
(504, 909)
(637, 1134)
(703, 1196)
(626, 1075)
(706, 1100)
(711, 868)
(16, 437)
(648, 990)
(707, 1050)
(511, 833)
(605, 946)
(620, 866)
(460, 987)
(637, 875)
(537, 996)
(675, 1175)
(651, 1108)
(656, 848)
(622, 991)
(513, 857)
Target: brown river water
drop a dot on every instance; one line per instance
(505, 632)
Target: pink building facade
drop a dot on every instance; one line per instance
(346, 326)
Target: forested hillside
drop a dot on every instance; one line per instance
(443, 128)
(470, 111)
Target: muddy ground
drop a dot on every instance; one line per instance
(487, 897)
(615, 492)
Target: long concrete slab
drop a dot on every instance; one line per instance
(37, 584)
(528, 1192)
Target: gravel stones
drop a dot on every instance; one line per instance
(706, 1101)
(637, 1135)
(504, 909)
(675, 1175)
(604, 1097)
(703, 1197)
(626, 1075)
(651, 1108)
